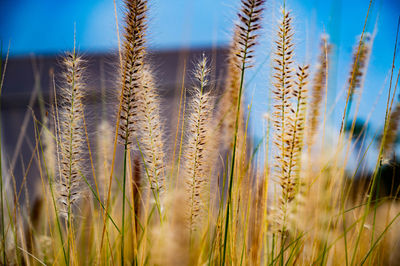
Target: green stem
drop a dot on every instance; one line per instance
(234, 144)
(99, 201)
(123, 201)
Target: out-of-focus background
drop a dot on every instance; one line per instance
(38, 32)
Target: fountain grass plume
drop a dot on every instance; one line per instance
(198, 151)
(72, 136)
(151, 137)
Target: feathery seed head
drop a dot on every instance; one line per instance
(288, 118)
(283, 84)
(132, 65)
(240, 56)
(391, 133)
(226, 112)
(71, 137)
(360, 59)
(198, 147)
(151, 135)
(318, 89)
(246, 35)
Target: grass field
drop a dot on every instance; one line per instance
(208, 193)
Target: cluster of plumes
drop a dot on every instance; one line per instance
(288, 116)
(151, 137)
(71, 142)
(198, 149)
(133, 53)
(391, 132)
(318, 90)
(359, 64)
(240, 55)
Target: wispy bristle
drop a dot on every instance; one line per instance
(197, 149)
(151, 136)
(285, 117)
(391, 133)
(318, 90)
(283, 83)
(249, 23)
(240, 57)
(227, 104)
(290, 179)
(360, 59)
(132, 65)
(72, 136)
(357, 73)
(296, 133)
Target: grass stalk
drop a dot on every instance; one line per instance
(2, 73)
(123, 201)
(250, 16)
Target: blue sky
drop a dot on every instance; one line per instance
(47, 26)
